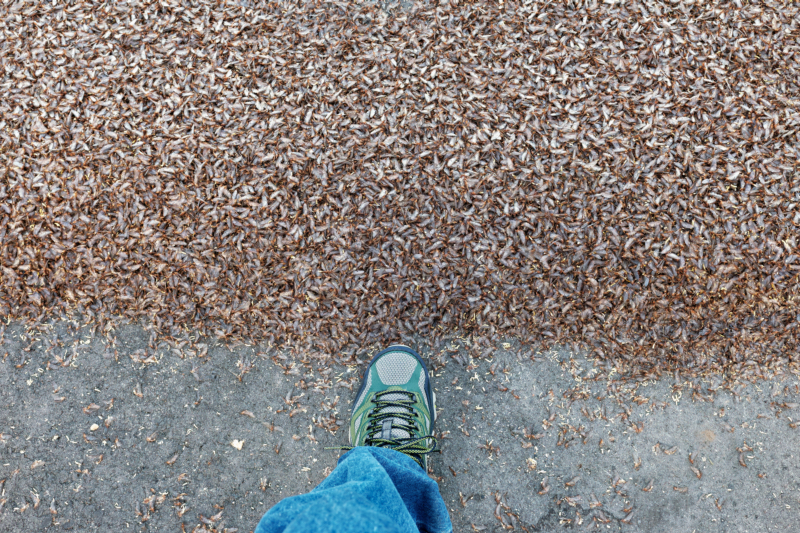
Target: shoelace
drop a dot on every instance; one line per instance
(414, 447)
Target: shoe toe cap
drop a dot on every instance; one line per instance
(396, 368)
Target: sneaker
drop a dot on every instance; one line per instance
(395, 406)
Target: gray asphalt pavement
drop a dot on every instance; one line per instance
(143, 436)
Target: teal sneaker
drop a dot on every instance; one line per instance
(395, 406)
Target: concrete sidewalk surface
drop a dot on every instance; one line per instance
(141, 436)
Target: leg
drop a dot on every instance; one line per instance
(371, 490)
(380, 485)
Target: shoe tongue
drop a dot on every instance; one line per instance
(387, 431)
(392, 396)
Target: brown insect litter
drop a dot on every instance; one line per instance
(624, 179)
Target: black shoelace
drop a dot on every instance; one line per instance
(379, 432)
